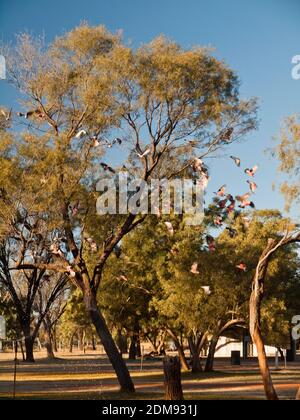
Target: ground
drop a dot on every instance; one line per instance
(90, 376)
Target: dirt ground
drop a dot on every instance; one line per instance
(90, 376)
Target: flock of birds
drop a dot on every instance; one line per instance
(95, 140)
(226, 203)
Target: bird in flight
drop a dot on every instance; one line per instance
(222, 203)
(81, 134)
(146, 153)
(29, 114)
(244, 200)
(231, 206)
(107, 168)
(6, 115)
(118, 141)
(247, 203)
(253, 186)
(236, 160)
(251, 172)
(221, 191)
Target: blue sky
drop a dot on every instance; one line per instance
(256, 38)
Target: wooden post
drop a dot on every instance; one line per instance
(298, 395)
(172, 374)
(15, 369)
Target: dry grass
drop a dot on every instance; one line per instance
(91, 377)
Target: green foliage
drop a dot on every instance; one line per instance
(288, 153)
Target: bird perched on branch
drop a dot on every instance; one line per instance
(92, 243)
(71, 272)
(226, 135)
(198, 166)
(95, 141)
(55, 250)
(246, 222)
(170, 228)
(232, 232)
(242, 266)
(194, 269)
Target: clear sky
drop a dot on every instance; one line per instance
(257, 38)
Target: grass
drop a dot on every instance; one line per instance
(91, 378)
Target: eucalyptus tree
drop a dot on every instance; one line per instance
(164, 105)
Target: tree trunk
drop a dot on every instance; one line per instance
(180, 349)
(195, 356)
(84, 342)
(298, 395)
(22, 351)
(29, 342)
(172, 379)
(257, 339)
(94, 348)
(255, 322)
(80, 340)
(161, 344)
(108, 343)
(138, 345)
(49, 341)
(209, 366)
(54, 340)
(133, 348)
(121, 341)
(72, 342)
